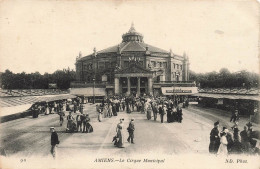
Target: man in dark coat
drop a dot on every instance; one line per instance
(235, 116)
(214, 139)
(131, 129)
(79, 122)
(54, 142)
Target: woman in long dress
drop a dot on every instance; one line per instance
(100, 115)
(222, 150)
(149, 112)
(120, 135)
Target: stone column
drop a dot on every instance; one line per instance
(116, 85)
(150, 85)
(128, 86)
(138, 86)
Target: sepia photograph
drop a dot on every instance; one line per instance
(129, 84)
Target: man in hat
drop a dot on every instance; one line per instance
(214, 139)
(131, 129)
(54, 142)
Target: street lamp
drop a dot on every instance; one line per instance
(94, 90)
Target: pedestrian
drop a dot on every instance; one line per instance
(131, 129)
(110, 110)
(54, 142)
(70, 119)
(100, 115)
(161, 113)
(179, 114)
(149, 112)
(119, 134)
(79, 122)
(61, 114)
(237, 147)
(230, 139)
(86, 121)
(81, 108)
(155, 111)
(235, 117)
(223, 143)
(214, 139)
(74, 106)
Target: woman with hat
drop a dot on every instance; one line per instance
(119, 134)
(222, 150)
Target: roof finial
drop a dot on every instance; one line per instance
(132, 29)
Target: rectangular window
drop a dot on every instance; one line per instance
(181, 67)
(177, 66)
(174, 66)
(107, 64)
(165, 64)
(101, 65)
(126, 63)
(153, 64)
(161, 64)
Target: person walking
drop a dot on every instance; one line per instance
(100, 115)
(214, 139)
(120, 135)
(149, 112)
(131, 129)
(61, 114)
(54, 142)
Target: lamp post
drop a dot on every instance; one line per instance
(94, 89)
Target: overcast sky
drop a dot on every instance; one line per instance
(47, 35)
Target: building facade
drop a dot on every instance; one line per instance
(131, 67)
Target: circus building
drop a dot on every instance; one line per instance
(132, 67)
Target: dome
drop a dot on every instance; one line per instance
(132, 35)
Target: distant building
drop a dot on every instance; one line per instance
(132, 67)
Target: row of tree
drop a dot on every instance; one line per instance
(222, 79)
(225, 79)
(61, 78)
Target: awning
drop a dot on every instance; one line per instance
(179, 90)
(228, 96)
(16, 101)
(89, 91)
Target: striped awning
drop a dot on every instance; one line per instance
(229, 96)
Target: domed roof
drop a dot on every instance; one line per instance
(133, 41)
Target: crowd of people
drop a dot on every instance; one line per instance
(233, 141)
(151, 106)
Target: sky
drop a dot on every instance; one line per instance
(45, 36)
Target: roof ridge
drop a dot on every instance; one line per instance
(141, 46)
(124, 46)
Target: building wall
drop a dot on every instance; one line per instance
(105, 63)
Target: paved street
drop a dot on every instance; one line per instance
(30, 137)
